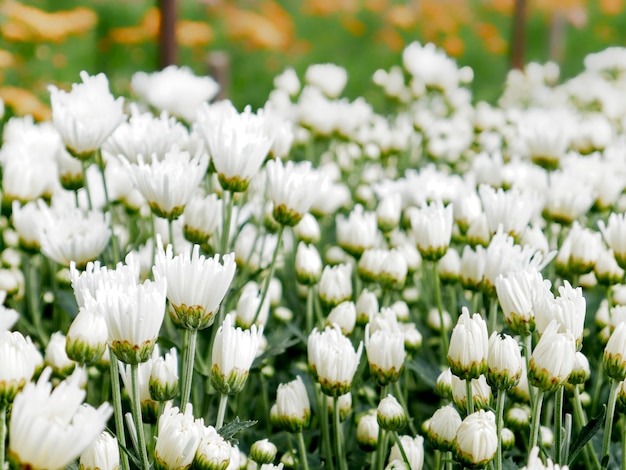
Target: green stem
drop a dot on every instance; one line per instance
(117, 409)
(608, 424)
(401, 448)
(535, 420)
(558, 426)
(136, 411)
(268, 279)
(227, 213)
(326, 447)
(221, 411)
(447, 457)
(493, 314)
(86, 184)
(302, 450)
(444, 333)
(470, 396)
(3, 433)
(528, 350)
(381, 448)
(309, 309)
(170, 233)
(107, 208)
(499, 425)
(188, 361)
(32, 289)
(341, 462)
(623, 442)
(589, 454)
(402, 402)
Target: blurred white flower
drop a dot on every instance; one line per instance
(20, 358)
(175, 90)
(86, 115)
(358, 232)
(51, 428)
(102, 454)
(330, 78)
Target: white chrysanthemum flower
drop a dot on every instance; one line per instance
(87, 337)
(163, 382)
(248, 305)
(429, 67)
(413, 448)
(552, 359)
(293, 410)
(178, 438)
(329, 78)
(568, 197)
(55, 355)
(175, 90)
(87, 115)
(358, 232)
(292, 187)
(333, 360)
(234, 350)
(134, 314)
(102, 454)
(469, 344)
(168, 184)
(614, 359)
(343, 315)
(335, 285)
(238, 143)
(70, 234)
(442, 427)
(288, 81)
(202, 218)
(147, 135)
(512, 209)
(51, 428)
(432, 229)
(385, 353)
(477, 439)
(614, 234)
(535, 462)
(214, 452)
(26, 221)
(196, 285)
(504, 362)
(20, 359)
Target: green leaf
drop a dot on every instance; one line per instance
(229, 430)
(586, 433)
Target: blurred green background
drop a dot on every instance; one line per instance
(51, 41)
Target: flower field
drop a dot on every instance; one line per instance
(360, 269)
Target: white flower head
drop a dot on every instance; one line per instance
(329, 78)
(87, 115)
(102, 454)
(385, 353)
(552, 359)
(51, 428)
(476, 439)
(292, 188)
(178, 438)
(469, 344)
(335, 285)
(358, 232)
(432, 229)
(333, 360)
(175, 90)
(234, 350)
(442, 427)
(293, 410)
(196, 285)
(504, 362)
(21, 358)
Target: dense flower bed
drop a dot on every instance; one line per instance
(433, 286)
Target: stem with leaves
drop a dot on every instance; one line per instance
(608, 424)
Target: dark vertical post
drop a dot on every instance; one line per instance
(167, 38)
(519, 35)
(218, 63)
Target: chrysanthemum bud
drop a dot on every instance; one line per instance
(476, 439)
(432, 229)
(504, 362)
(449, 267)
(308, 264)
(163, 382)
(508, 439)
(87, 337)
(308, 229)
(390, 414)
(413, 448)
(389, 211)
(178, 439)
(443, 385)
(20, 359)
(434, 322)
(293, 411)
(468, 349)
(213, 452)
(581, 371)
(518, 417)
(344, 402)
(263, 451)
(442, 427)
(366, 306)
(367, 432)
(335, 285)
(614, 359)
(102, 454)
(394, 270)
(56, 356)
(343, 315)
(552, 359)
(481, 393)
